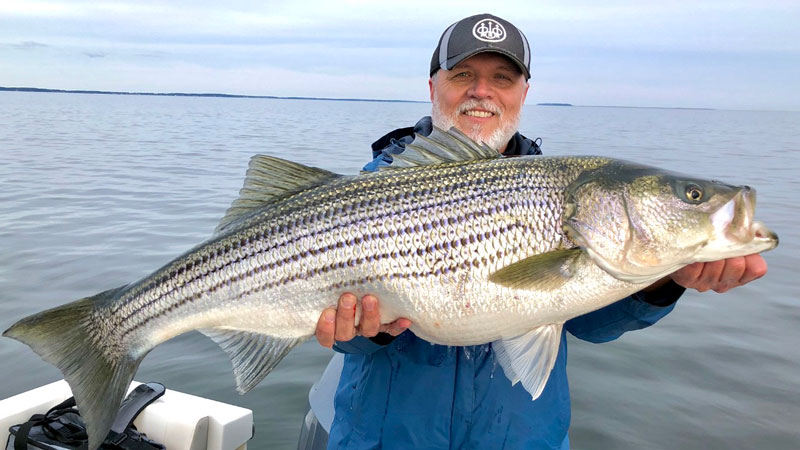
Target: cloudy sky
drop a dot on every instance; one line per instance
(700, 53)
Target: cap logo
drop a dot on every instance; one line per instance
(489, 30)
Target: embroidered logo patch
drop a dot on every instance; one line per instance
(489, 30)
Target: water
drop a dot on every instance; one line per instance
(96, 191)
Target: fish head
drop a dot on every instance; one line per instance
(640, 223)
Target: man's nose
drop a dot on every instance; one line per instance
(481, 88)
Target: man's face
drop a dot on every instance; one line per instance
(482, 96)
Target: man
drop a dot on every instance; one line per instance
(398, 391)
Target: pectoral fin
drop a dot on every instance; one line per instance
(547, 271)
(253, 355)
(529, 358)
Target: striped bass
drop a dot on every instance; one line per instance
(471, 246)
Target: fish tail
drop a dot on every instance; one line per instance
(62, 336)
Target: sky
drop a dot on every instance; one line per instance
(729, 54)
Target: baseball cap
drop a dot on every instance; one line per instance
(478, 34)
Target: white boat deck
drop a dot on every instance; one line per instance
(177, 420)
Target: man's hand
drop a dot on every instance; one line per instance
(721, 276)
(339, 324)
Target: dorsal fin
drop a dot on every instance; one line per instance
(269, 179)
(441, 147)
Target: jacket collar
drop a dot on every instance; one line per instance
(518, 145)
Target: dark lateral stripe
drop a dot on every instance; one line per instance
(399, 195)
(237, 277)
(245, 243)
(339, 244)
(404, 187)
(245, 253)
(461, 242)
(475, 262)
(477, 237)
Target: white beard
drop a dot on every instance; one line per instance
(496, 140)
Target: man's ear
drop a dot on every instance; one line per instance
(525, 94)
(430, 86)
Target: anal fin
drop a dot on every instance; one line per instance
(529, 358)
(253, 355)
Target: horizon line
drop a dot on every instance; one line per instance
(200, 94)
(341, 99)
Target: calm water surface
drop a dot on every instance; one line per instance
(97, 191)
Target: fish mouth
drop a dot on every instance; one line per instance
(734, 225)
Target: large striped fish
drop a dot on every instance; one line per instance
(471, 246)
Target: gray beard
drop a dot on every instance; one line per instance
(497, 140)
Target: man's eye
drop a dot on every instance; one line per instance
(462, 75)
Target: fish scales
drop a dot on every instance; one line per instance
(313, 245)
(227, 247)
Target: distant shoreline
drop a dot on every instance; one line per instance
(184, 94)
(276, 97)
(622, 106)
(554, 104)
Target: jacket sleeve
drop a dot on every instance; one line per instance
(638, 311)
(362, 345)
(382, 160)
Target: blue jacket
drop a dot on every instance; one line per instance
(406, 393)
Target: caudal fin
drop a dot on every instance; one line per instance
(98, 376)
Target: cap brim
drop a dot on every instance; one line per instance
(452, 62)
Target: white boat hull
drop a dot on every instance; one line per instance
(177, 420)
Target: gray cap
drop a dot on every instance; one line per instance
(478, 34)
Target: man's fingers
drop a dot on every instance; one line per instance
(723, 275)
(731, 274)
(398, 326)
(688, 276)
(338, 324)
(326, 326)
(370, 323)
(709, 279)
(755, 268)
(346, 318)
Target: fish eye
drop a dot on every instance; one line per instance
(694, 193)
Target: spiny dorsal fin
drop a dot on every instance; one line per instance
(441, 147)
(269, 179)
(253, 355)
